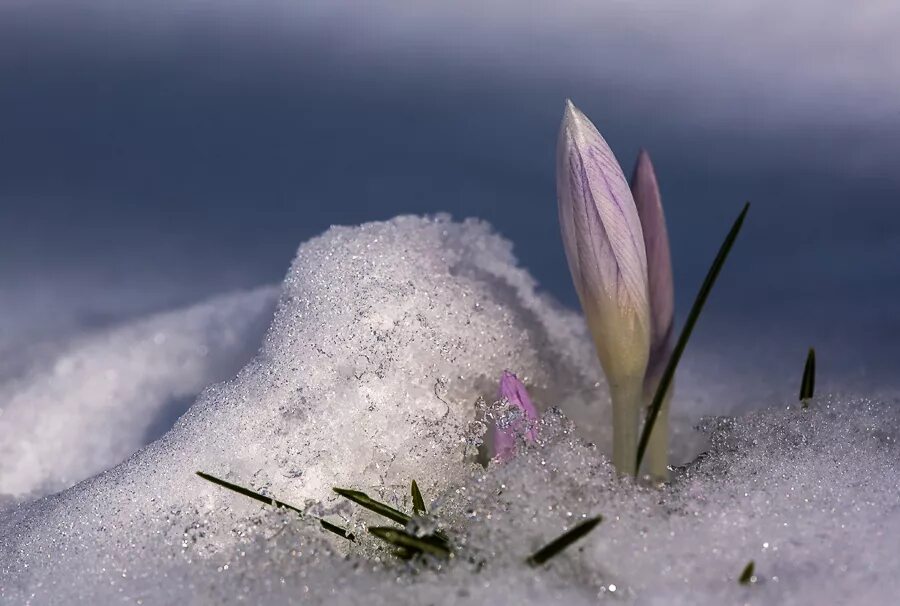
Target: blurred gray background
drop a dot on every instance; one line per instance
(153, 154)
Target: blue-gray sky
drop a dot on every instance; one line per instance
(154, 153)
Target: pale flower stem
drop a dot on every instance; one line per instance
(658, 446)
(627, 398)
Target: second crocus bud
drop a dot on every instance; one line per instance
(604, 245)
(645, 190)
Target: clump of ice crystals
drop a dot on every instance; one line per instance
(386, 339)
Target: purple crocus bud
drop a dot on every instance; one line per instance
(513, 391)
(645, 190)
(604, 245)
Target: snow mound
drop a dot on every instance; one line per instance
(120, 388)
(386, 346)
(384, 338)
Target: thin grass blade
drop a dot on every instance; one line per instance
(417, 500)
(334, 528)
(747, 575)
(560, 543)
(689, 323)
(364, 500)
(247, 492)
(404, 540)
(808, 384)
(341, 532)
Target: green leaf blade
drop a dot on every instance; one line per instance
(747, 575)
(559, 544)
(364, 500)
(335, 529)
(693, 315)
(256, 496)
(403, 540)
(808, 383)
(417, 500)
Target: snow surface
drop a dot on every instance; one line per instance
(384, 351)
(132, 379)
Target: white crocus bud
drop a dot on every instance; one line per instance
(604, 245)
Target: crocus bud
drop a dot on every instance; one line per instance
(604, 245)
(506, 433)
(645, 190)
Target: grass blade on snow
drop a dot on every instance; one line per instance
(364, 500)
(334, 528)
(808, 384)
(341, 532)
(560, 543)
(404, 540)
(747, 575)
(689, 323)
(417, 500)
(247, 492)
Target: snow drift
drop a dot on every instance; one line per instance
(387, 341)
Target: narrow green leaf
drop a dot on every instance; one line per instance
(404, 540)
(747, 575)
(274, 502)
(808, 384)
(247, 492)
(341, 532)
(560, 543)
(362, 499)
(689, 323)
(418, 501)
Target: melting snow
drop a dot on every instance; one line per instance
(383, 354)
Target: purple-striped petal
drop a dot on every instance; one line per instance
(506, 434)
(604, 245)
(645, 190)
